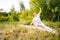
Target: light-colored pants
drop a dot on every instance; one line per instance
(36, 24)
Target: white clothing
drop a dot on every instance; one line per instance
(37, 22)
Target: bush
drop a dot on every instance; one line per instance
(16, 18)
(55, 25)
(4, 19)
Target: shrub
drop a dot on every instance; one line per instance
(16, 18)
(52, 24)
(3, 19)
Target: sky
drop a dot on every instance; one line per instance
(7, 4)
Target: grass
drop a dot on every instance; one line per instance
(54, 25)
(13, 32)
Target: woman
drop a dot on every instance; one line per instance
(37, 21)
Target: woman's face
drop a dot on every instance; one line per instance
(34, 14)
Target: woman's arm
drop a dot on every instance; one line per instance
(39, 11)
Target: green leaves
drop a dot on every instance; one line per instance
(50, 9)
(22, 7)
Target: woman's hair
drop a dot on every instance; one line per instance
(34, 14)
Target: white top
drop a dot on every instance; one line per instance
(36, 20)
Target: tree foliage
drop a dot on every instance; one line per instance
(25, 16)
(13, 15)
(22, 7)
(50, 9)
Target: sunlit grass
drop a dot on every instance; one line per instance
(15, 32)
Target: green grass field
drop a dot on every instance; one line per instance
(12, 31)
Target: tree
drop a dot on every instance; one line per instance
(36, 4)
(55, 6)
(13, 15)
(50, 9)
(22, 7)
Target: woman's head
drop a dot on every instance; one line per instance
(34, 14)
